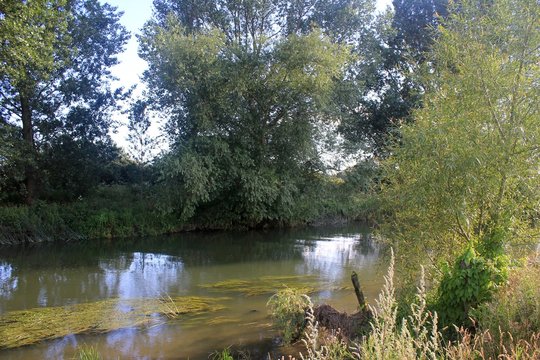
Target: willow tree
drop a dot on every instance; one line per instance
(466, 174)
(245, 84)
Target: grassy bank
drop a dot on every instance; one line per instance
(109, 213)
(123, 211)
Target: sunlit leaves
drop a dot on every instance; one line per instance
(470, 162)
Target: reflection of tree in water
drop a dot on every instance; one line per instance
(53, 274)
(367, 244)
(8, 281)
(333, 257)
(141, 275)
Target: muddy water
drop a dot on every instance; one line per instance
(58, 275)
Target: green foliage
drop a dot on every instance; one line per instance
(245, 109)
(391, 59)
(73, 168)
(88, 353)
(32, 36)
(12, 163)
(288, 309)
(224, 354)
(56, 94)
(470, 282)
(467, 170)
(116, 211)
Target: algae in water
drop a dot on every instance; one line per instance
(26, 327)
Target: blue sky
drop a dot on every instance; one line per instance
(136, 13)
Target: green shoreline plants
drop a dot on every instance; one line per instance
(418, 336)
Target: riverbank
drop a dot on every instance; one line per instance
(122, 211)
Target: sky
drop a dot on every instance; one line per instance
(131, 67)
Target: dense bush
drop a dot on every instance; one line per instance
(470, 282)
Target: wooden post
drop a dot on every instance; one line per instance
(358, 292)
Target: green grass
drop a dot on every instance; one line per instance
(87, 353)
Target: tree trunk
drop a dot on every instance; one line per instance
(28, 137)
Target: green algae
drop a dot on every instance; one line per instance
(219, 320)
(26, 327)
(306, 284)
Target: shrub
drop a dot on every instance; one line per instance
(470, 282)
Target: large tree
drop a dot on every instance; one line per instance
(245, 84)
(55, 59)
(391, 85)
(466, 172)
(33, 48)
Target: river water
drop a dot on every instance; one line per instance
(52, 275)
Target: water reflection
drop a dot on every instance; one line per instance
(140, 275)
(55, 275)
(8, 281)
(333, 257)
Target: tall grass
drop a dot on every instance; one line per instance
(418, 335)
(414, 337)
(87, 353)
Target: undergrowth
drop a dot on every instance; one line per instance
(508, 327)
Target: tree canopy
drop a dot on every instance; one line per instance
(56, 57)
(245, 87)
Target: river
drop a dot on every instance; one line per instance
(59, 275)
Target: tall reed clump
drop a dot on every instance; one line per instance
(415, 337)
(288, 308)
(334, 346)
(87, 353)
